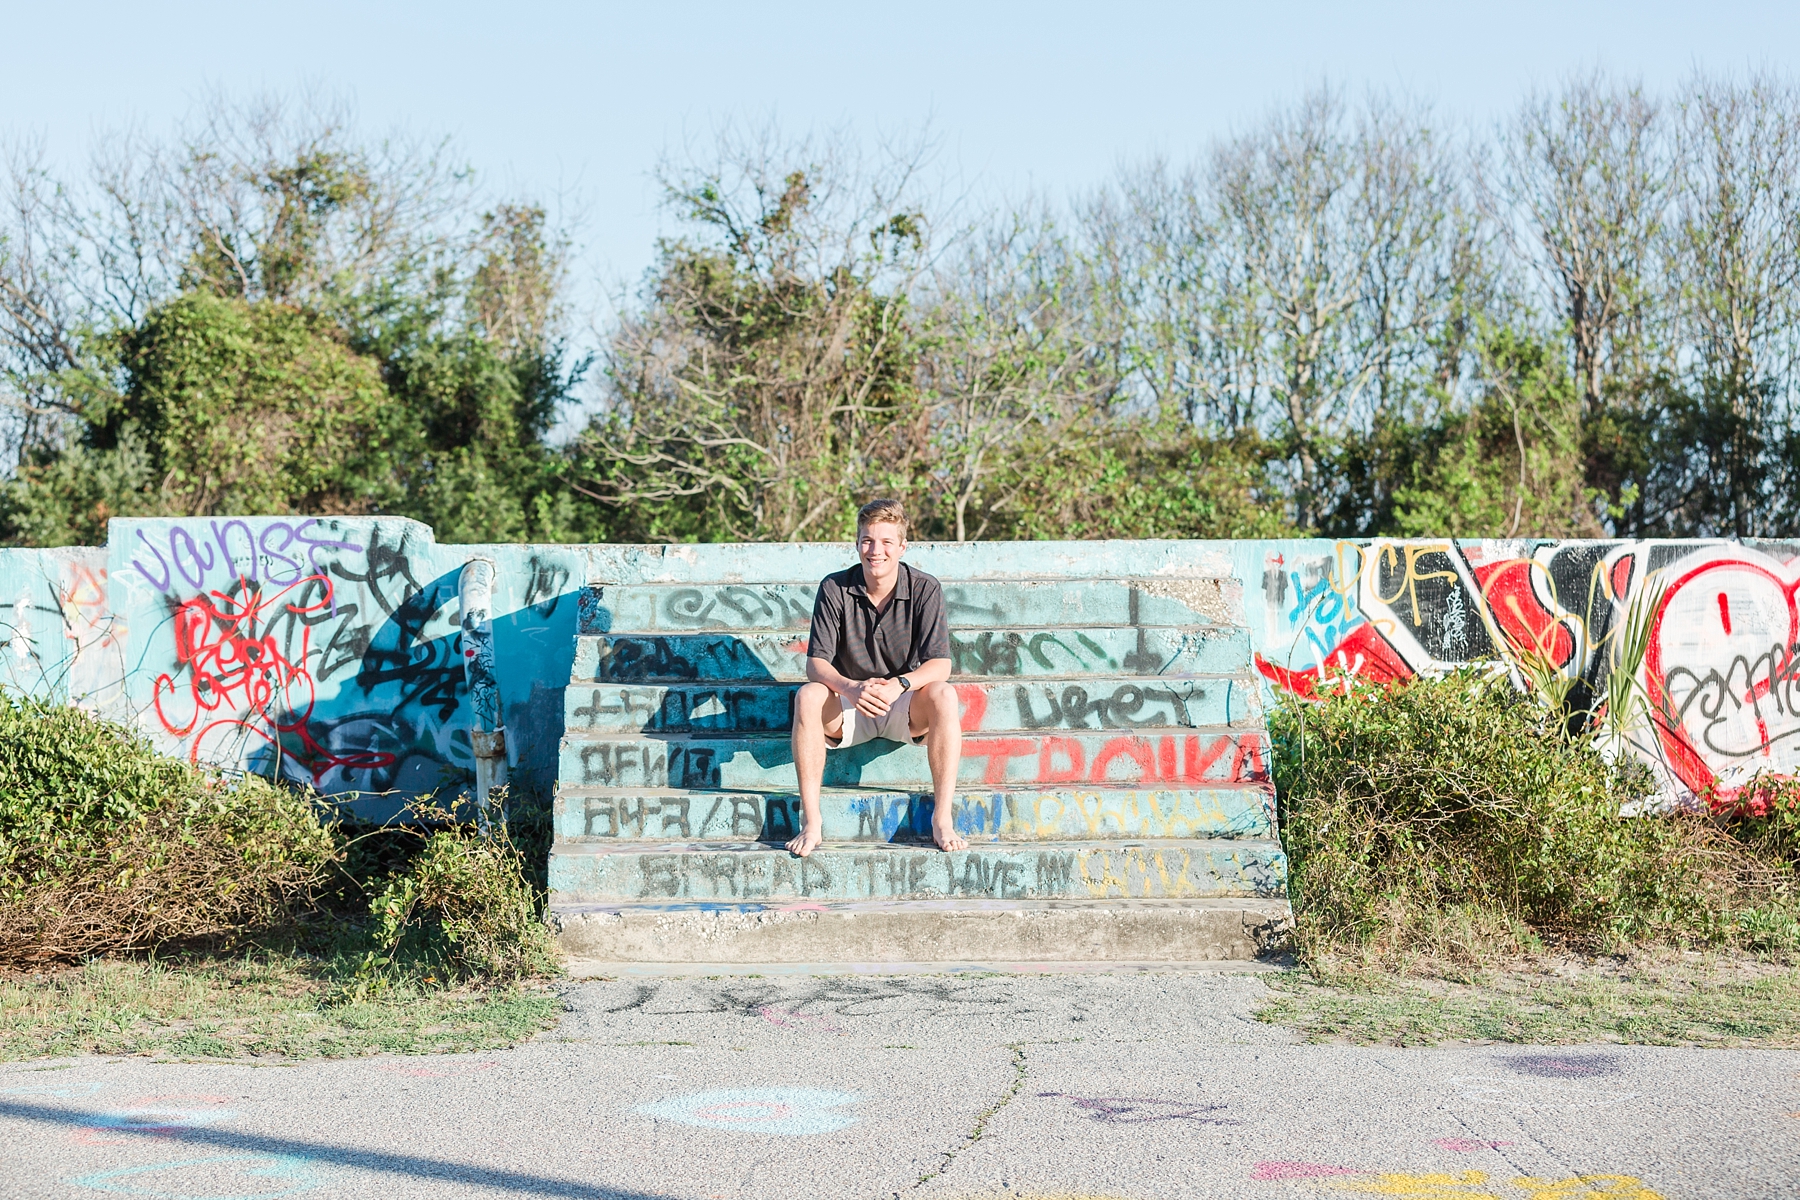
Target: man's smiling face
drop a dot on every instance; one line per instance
(880, 546)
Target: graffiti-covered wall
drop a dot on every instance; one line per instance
(1716, 669)
(323, 649)
(329, 649)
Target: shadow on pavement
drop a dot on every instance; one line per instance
(516, 1182)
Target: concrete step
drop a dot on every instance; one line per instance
(1023, 603)
(1120, 703)
(1055, 653)
(1152, 870)
(867, 816)
(766, 763)
(924, 931)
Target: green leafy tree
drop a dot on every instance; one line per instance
(1511, 465)
(770, 379)
(267, 316)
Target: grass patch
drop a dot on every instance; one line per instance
(266, 1004)
(1657, 1002)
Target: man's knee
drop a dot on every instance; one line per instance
(808, 703)
(942, 703)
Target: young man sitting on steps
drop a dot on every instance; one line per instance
(877, 661)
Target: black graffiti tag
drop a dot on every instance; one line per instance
(1141, 1110)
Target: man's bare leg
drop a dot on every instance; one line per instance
(936, 713)
(818, 715)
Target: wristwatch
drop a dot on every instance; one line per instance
(904, 682)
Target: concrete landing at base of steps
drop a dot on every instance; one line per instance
(925, 931)
(582, 968)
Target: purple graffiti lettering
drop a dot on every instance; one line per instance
(161, 585)
(222, 535)
(282, 553)
(202, 566)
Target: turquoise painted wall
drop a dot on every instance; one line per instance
(327, 649)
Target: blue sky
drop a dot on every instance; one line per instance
(579, 101)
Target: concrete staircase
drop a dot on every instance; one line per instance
(1114, 784)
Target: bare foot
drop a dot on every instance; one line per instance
(946, 837)
(806, 843)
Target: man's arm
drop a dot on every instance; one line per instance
(932, 670)
(883, 692)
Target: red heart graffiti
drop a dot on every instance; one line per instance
(1721, 672)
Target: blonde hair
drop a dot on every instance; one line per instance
(882, 512)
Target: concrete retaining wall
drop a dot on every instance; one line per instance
(328, 649)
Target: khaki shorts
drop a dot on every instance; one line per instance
(891, 726)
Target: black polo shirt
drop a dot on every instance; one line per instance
(861, 643)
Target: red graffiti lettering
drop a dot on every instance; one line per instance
(1523, 620)
(1247, 764)
(974, 701)
(1138, 749)
(1363, 655)
(1070, 749)
(998, 751)
(239, 675)
(1195, 764)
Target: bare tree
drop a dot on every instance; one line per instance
(1582, 190)
(1734, 265)
(1162, 273)
(1340, 235)
(1017, 365)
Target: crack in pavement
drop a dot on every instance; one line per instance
(986, 1115)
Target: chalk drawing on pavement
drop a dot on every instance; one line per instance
(1464, 1185)
(155, 1116)
(262, 1176)
(1520, 1093)
(1139, 1110)
(1562, 1066)
(787, 1112)
(1469, 1185)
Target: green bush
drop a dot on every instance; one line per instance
(1455, 818)
(107, 845)
(1765, 814)
(465, 906)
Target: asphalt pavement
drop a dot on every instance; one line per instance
(1133, 1085)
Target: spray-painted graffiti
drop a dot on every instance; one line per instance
(220, 1176)
(320, 651)
(766, 762)
(325, 650)
(217, 552)
(1719, 669)
(245, 658)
